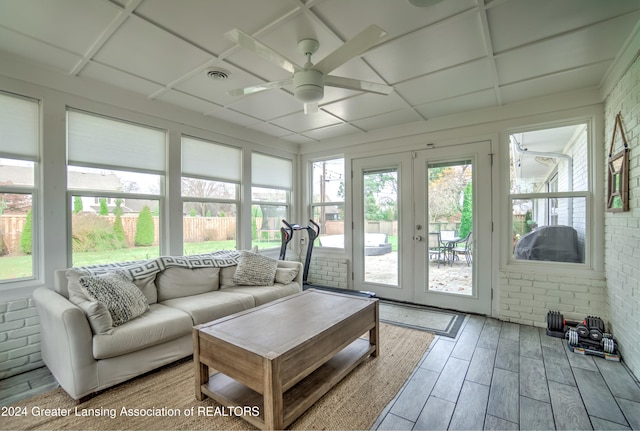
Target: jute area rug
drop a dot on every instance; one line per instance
(166, 397)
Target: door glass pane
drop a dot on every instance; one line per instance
(450, 217)
(381, 226)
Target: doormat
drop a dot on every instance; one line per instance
(441, 322)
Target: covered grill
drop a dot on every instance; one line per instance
(552, 243)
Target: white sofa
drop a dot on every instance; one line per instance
(86, 355)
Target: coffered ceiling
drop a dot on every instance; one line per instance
(455, 56)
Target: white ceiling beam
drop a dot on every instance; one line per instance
(105, 36)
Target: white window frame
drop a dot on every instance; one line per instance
(313, 205)
(31, 190)
(113, 195)
(589, 195)
(288, 190)
(237, 183)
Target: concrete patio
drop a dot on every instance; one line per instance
(454, 278)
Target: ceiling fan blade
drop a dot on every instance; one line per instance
(355, 46)
(355, 84)
(252, 44)
(311, 108)
(260, 87)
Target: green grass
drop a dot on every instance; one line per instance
(12, 267)
(15, 267)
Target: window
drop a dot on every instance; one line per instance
(19, 154)
(271, 179)
(210, 195)
(327, 201)
(549, 193)
(115, 186)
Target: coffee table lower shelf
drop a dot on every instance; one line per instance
(301, 396)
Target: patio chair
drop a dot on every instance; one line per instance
(437, 249)
(465, 249)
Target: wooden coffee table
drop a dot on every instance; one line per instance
(283, 356)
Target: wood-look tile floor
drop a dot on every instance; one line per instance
(493, 375)
(499, 375)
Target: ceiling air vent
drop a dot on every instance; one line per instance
(218, 74)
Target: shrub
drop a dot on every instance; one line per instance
(466, 221)
(104, 210)
(77, 204)
(118, 229)
(26, 237)
(528, 222)
(93, 233)
(145, 228)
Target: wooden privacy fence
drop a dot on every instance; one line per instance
(11, 227)
(195, 229)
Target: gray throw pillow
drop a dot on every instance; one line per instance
(255, 270)
(122, 298)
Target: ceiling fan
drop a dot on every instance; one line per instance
(309, 80)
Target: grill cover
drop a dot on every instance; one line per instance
(554, 243)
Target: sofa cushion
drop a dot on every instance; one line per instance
(210, 306)
(175, 282)
(148, 288)
(255, 270)
(264, 294)
(158, 325)
(286, 275)
(123, 299)
(226, 276)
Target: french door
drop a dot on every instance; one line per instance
(422, 226)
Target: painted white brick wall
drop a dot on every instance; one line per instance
(19, 338)
(622, 230)
(527, 297)
(327, 271)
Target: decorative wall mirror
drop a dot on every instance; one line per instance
(618, 173)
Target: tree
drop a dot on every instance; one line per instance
(145, 229)
(77, 204)
(15, 203)
(446, 188)
(117, 210)
(466, 222)
(104, 209)
(195, 187)
(380, 195)
(118, 229)
(26, 237)
(528, 222)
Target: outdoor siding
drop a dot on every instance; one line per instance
(622, 229)
(19, 337)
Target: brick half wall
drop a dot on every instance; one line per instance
(19, 337)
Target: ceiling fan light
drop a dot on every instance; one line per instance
(308, 85)
(309, 93)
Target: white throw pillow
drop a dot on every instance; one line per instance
(286, 275)
(98, 315)
(255, 270)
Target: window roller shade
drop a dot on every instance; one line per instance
(271, 171)
(99, 141)
(202, 159)
(19, 125)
